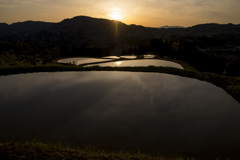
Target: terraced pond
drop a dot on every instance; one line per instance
(82, 60)
(139, 63)
(120, 63)
(151, 112)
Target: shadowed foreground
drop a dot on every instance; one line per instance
(32, 150)
(39, 151)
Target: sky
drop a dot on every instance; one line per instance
(149, 13)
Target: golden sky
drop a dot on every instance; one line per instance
(150, 13)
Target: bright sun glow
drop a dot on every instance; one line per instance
(116, 15)
(118, 63)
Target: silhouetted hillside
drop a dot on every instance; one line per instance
(22, 31)
(3, 27)
(84, 33)
(101, 32)
(79, 30)
(166, 27)
(213, 29)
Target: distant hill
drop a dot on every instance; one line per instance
(23, 30)
(213, 29)
(83, 30)
(166, 27)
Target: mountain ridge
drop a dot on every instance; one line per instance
(167, 26)
(101, 32)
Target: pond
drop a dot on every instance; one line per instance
(112, 57)
(82, 60)
(128, 57)
(156, 113)
(149, 56)
(139, 63)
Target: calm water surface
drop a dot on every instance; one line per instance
(149, 56)
(129, 57)
(140, 63)
(81, 60)
(112, 57)
(119, 110)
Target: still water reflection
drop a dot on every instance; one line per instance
(152, 112)
(129, 57)
(140, 63)
(81, 60)
(149, 56)
(112, 57)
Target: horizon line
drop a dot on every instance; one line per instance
(166, 25)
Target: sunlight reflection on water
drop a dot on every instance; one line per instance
(118, 63)
(82, 60)
(140, 63)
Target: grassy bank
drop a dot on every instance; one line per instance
(41, 151)
(229, 84)
(33, 150)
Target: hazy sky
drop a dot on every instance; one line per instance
(152, 13)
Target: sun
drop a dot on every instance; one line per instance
(116, 15)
